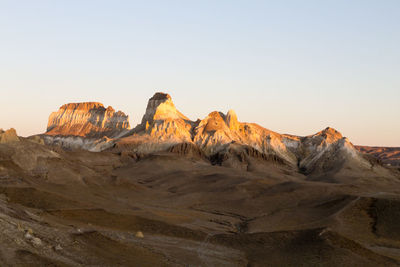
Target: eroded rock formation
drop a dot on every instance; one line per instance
(164, 128)
(8, 136)
(88, 119)
(219, 136)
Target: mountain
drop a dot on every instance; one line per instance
(222, 138)
(320, 149)
(162, 126)
(219, 138)
(160, 108)
(87, 119)
(83, 125)
(218, 130)
(8, 136)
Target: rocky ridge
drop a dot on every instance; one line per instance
(8, 136)
(163, 121)
(222, 138)
(219, 136)
(87, 125)
(87, 119)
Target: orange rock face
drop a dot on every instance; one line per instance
(8, 136)
(164, 128)
(163, 122)
(88, 119)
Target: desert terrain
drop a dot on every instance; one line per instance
(175, 192)
(390, 156)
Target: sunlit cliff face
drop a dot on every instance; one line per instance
(88, 119)
(164, 126)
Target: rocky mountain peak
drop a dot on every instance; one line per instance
(161, 107)
(232, 120)
(329, 134)
(110, 109)
(159, 96)
(86, 119)
(163, 127)
(331, 131)
(8, 136)
(215, 121)
(324, 138)
(162, 124)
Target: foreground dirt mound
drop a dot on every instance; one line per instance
(311, 247)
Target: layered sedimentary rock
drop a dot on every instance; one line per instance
(232, 120)
(162, 126)
(88, 119)
(387, 155)
(160, 107)
(218, 129)
(324, 149)
(8, 136)
(163, 121)
(219, 137)
(87, 125)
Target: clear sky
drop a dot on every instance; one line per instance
(290, 66)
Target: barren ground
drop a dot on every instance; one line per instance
(104, 209)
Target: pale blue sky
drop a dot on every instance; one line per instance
(290, 66)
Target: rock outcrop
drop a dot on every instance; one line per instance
(88, 119)
(218, 129)
(325, 150)
(160, 107)
(8, 136)
(162, 126)
(87, 125)
(162, 121)
(219, 137)
(232, 120)
(222, 138)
